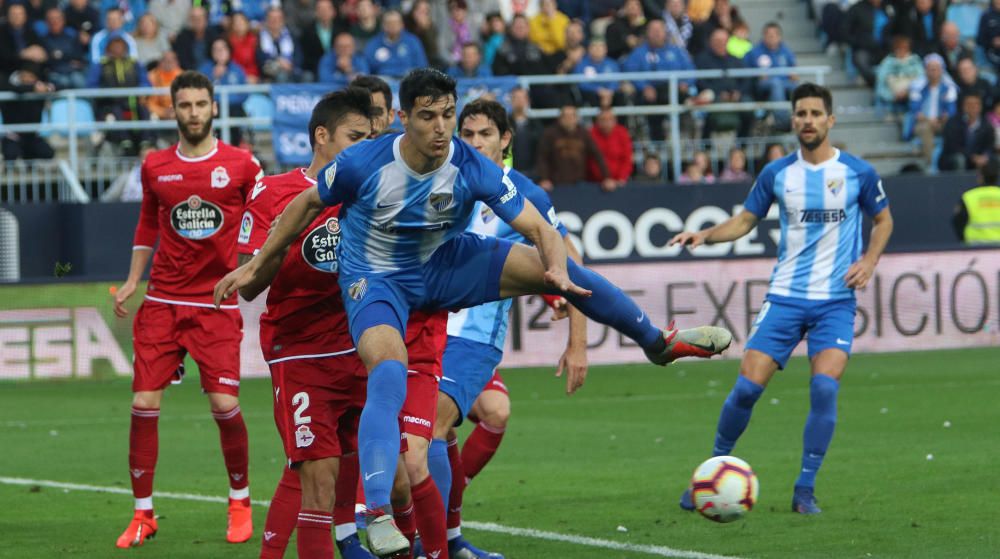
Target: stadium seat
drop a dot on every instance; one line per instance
(259, 105)
(966, 17)
(58, 113)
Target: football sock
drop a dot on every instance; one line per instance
(379, 431)
(346, 491)
(405, 521)
(282, 515)
(819, 426)
(457, 486)
(439, 466)
(610, 305)
(235, 450)
(480, 447)
(143, 446)
(430, 518)
(736, 414)
(313, 530)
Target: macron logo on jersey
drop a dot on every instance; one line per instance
(257, 189)
(170, 178)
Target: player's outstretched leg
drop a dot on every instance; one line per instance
(816, 440)
(282, 515)
(143, 450)
(344, 527)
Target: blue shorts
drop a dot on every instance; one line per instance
(783, 321)
(468, 367)
(463, 272)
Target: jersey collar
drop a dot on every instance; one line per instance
(399, 159)
(182, 157)
(822, 164)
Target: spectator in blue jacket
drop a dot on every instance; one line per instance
(772, 52)
(933, 100)
(656, 55)
(223, 71)
(394, 51)
(343, 62)
(131, 11)
(67, 63)
(599, 93)
(471, 64)
(114, 22)
(988, 36)
(278, 56)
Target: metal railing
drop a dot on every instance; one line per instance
(73, 128)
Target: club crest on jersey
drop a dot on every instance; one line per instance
(319, 246)
(220, 177)
(835, 185)
(486, 214)
(440, 201)
(330, 174)
(196, 219)
(246, 227)
(358, 289)
(304, 436)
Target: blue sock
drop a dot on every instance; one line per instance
(819, 426)
(440, 467)
(610, 305)
(378, 432)
(736, 414)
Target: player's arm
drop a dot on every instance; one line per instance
(861, 271)
(253, 277)
(550, 246)
(146, 233)
(574, 358)
(729, 230)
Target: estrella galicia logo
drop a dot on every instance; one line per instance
(196, 219)
(318, 248)
(358, 289)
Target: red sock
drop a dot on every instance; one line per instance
(281, 516)
(430, 518)
(457, 485)
(346, 489)
(235, 450)
(406, 523)
(479, 448)
(314, 539)
(143, 446)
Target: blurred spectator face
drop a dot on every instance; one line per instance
(574, 34)
(774, 152)
(656, 34)
(877, 3)
(675, 8)
(367, 12)
(79, 5)
(392, 24)
(693, 171)
(972, 107)
(421, 13)
(55, 21)
(924, 6)
(519, 28)
(723, 7)
(967, 71)
(116, 49)
(568, 118)
(934, 72)
(274, 21)
(498, 26)
(198, 19)
(147, 27)
(548, 7)
(239, 25)
(597, 50)
(519, 101)
(220, 52)
(17, 16)
(949, 35)
(901, 47)
(343, 45)
(458, 10)
(772, 37)
(742, 31)
(168, 63)
(651, 167)
(700, 159)
(633, 9)
(113, 20)
(325, 12)
(471, 57)
(717, 42)
(606, 122)
(737, 160)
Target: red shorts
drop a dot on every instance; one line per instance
(164, 333)
(420, 407)
(317, 405)
(496, 383)
(426, 336)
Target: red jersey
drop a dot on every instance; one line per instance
(305, 316)
(193, 206)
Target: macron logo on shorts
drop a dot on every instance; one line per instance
(229, 381)
(417, 420)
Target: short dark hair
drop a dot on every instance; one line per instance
(772, 25)
(807, 90)
(494, 111)
(425, 82)
(374, 84)
(334, 107)
(189, 79)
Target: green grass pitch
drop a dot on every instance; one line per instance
(616, 454)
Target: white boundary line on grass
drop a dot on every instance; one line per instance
(657, 550)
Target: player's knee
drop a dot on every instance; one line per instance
(746, 392)
(497, 414)
(221, 403)
(147, 400)
(823, 393)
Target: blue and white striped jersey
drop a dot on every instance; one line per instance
(820, 220)
(394, 218)
(487, 323)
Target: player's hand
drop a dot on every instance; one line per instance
(689, 239)
(234, 281)
(560, 280)
(560, 309)
(859, 274)
(574, 362)
(122, 295)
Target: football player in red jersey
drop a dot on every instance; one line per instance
(193, 196)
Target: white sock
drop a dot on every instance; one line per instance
(342, 531)
(146, 503)
(454, 533)
(238, 494)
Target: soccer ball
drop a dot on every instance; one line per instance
(724, 488)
